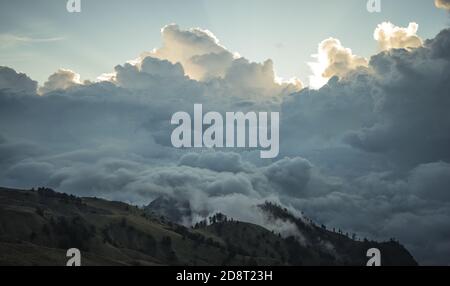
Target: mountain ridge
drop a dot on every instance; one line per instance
(38, 226)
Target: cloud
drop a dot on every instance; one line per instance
(333, 59)
(390, 36)
(431, 181)
(211, 65)
(60, 80)
(12, 152)
(10, 40)
(16, 82)
(410, 105)
(196, 49)
(291, 175)
(392, 117)
(395, 109)
(216, 161)
(149, 73)
(205, 188)
(258, 78)
(30, 172)
(204, 59)
(442, 4)
(367, 153)
(161, 68)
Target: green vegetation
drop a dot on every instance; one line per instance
(38, 226)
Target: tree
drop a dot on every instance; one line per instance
(46, 229)
(40, 211)
(166, 241)
(33, 236)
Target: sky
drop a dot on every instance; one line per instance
(365, 150)
(110, 31)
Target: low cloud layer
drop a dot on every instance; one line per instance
(368, 152)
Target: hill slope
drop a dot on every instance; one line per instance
(37, 228)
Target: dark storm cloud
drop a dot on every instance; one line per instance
(397, 107)
(367, 153)
(216, 161)
(396, 110)
(412, 110)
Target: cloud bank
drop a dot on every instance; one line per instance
(368, 152)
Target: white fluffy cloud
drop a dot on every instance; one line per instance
(204, 59)
(60, 80)
(196, 49)
(443, 4)
(333, 59)
(390, 36)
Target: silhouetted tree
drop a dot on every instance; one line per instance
(166, 241)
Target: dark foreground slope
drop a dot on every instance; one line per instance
(37, 228)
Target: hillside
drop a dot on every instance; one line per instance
(37, 227)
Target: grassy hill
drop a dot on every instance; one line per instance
(37, 228)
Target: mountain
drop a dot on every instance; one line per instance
(170, 208)
(333, 247)
(38, 226)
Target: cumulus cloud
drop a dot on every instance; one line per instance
(16, 82)
(390, 36)
(149, 73)
(291, 175)
(395, 114)
(60, 80)
(442, 4)
(333, 59)
(198, 50)
(411, 109)
(367, 153)
(203, 58)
